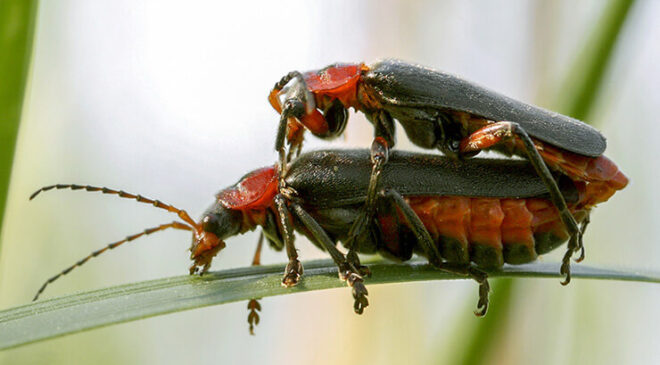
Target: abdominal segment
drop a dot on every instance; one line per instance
(486, 231)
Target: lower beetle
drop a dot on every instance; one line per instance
(463, 216)
(445, 112)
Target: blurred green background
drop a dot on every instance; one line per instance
(169, 100)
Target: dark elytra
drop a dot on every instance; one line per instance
(335, 178)
(401, 84)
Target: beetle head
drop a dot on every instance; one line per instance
(216, 226)
(237, 208)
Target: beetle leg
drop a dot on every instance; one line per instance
(297, 105)
(495, 133)
(294, 152)
(297, 114)
(384, 130)
(293, 108)
(379, 157)
(416, 225)
(294, 268)
(253, 304)
(583, 228)
(347, 271)
(384, 127)
(432, 253)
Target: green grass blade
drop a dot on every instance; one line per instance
(580, 89)
(17, 19)
(479, 344)
(65, 315)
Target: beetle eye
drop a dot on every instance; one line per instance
(336, 116)
(210, 223)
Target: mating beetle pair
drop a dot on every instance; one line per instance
(453, 211)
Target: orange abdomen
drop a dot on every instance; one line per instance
(490, 231)
(602, 176)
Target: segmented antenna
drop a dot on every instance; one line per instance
(175, 224)
(122, 194)
(190, 226)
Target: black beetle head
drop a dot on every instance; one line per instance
(218, 224)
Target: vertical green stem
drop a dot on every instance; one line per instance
(578, 95)
(580, 89)
(17, 23)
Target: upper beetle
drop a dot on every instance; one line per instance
(442, 111)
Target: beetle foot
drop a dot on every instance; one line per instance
(573, 245)
(292, 273)
(482, 304)
(348, 273)
(253, 316)
(359, 292)
(484, 291)
(579, 259)
(199, 269)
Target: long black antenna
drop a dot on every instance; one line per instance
(189, 224)
(122, 194)
(175, 224)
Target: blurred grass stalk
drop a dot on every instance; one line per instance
(576, 99)
(17, 24)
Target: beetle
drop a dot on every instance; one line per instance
(442, 111)
(464, 216)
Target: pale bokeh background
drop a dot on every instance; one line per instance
(168, 100)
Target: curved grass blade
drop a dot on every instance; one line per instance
(17, 23)
(80, 312)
